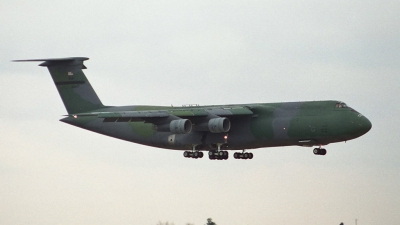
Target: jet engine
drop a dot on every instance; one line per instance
(182, 126)
(219, 125)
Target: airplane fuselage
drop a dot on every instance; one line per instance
(272, 124)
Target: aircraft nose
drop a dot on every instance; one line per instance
(364, 123)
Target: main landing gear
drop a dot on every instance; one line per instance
(194, 154)
(224, 155)
(219, 155)
(243, 155)
(319, 151)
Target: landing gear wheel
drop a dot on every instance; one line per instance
(226, 155)
(194, 155)
(186, 154)
(243, 155)
(319, 151)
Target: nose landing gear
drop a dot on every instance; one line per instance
(319, 151)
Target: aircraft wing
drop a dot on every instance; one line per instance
(180, 120)
(181, 113)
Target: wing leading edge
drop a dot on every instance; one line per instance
(196, 112)
(180, 121)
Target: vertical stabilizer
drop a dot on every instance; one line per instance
(72, 85)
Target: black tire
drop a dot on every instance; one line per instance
(323, 151)
(246, 155)
(201, 154)
(316, 151)
(235, 155)
(186, 154)
(250, 155)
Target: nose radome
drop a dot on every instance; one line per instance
(365, 124)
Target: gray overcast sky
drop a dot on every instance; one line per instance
(204, 52)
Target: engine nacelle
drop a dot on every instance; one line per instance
(182, 126)
(219, 125)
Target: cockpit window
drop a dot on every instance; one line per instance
(341, 105)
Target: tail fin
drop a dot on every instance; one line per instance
(72, 85)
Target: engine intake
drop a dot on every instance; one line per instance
(219, 125)
(182, 126)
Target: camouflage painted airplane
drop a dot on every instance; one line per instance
(214, 128)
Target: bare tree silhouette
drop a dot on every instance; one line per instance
(210, 222)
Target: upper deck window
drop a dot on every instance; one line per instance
(341, 105)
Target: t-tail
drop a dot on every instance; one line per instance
(72, 85)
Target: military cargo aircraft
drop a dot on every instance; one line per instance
(213, 128)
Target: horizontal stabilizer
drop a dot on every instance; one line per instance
(52, 59)
(57, 61)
